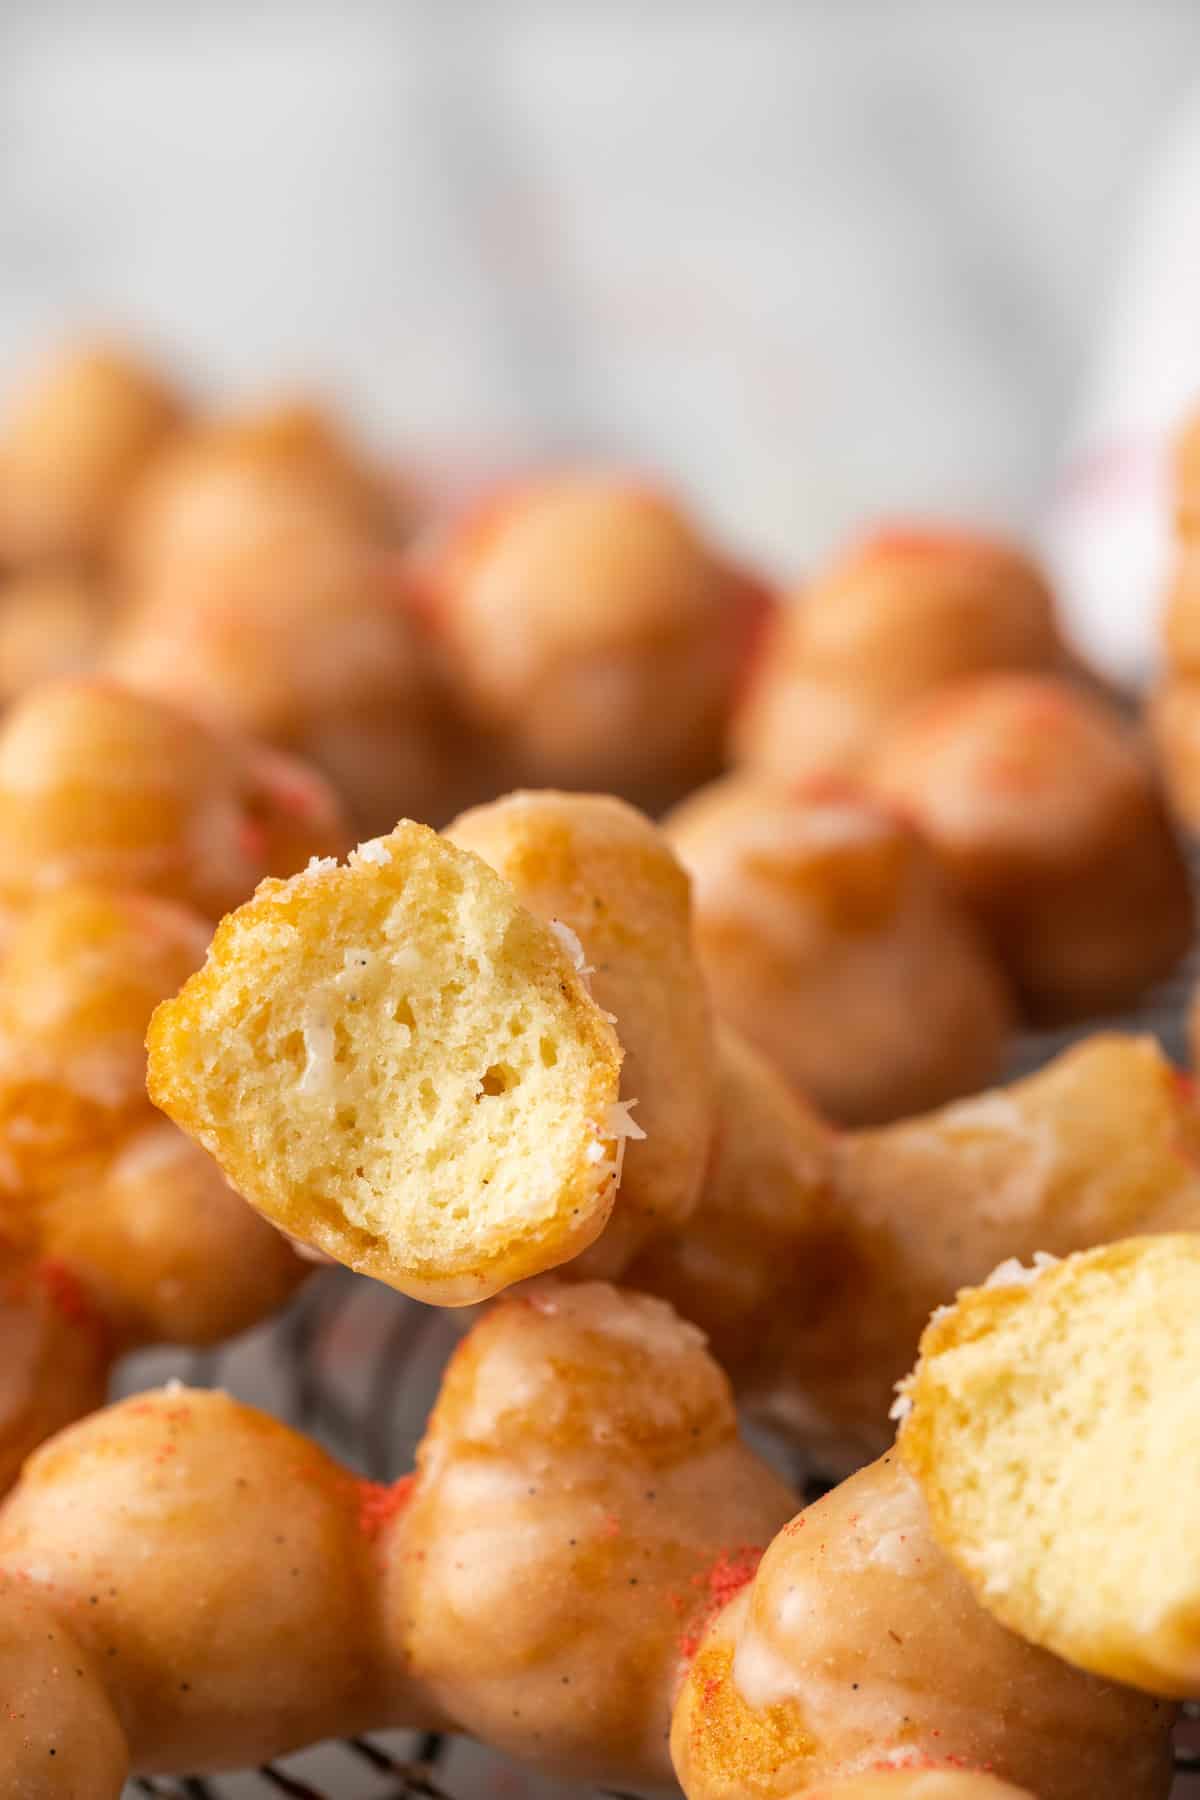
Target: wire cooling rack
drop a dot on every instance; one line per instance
(357, 1366)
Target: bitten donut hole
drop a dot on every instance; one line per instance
(365, 1052)
(1055, 1430)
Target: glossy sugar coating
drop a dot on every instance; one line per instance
(832, 939)
(896, 617)
(592, 627)
(858, 1642)
(236, 1594)
(814, 1259)
(102, 785)
(1042, 805)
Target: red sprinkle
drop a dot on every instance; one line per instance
(721, 1582)
(70, 1298)
(252, 840)
(378, 1503)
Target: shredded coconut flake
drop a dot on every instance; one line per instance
(1013, 1273)
(318, 865)
(375, 850)
(902, 1405)
(318, 1050)
(173, 1386)
(572, 946)
(619, 1124)
(594, 1153)
(993, 1563)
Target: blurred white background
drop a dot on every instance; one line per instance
(812, 258)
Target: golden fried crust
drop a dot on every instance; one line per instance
(591, 624)
(1041, 803)
(814, 1261)
(582, 1505)
(70, 449)
(859, 1642)
(222, 1579)
(895, 618)
(818, 905)
(59, 1736)
(399, 1065)
(103, 785)
(55, 1351)
(1049, 1420)
(600, 868)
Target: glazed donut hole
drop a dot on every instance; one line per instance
(897, 616)
(318, 656)
(198, 1511)
(400, 1066)
(84, 969)
(264, 483)
(582, 1503)
(910, 608)
(604, 1339)
(581, 1506)
(264, 597)
(819, 904)
(814, 1258)
(857, 1644)
(1040, 802)
(1035, 1398)
(171, 1254)
(587, 620)
(71, 446)
(102, 785)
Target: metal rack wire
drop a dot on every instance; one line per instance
(357, 1366)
